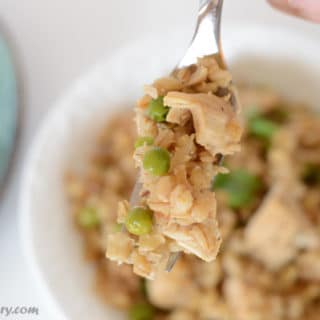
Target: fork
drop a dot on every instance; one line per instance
(205, 41)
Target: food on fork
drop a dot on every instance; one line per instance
(186, 123)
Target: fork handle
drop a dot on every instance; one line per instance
(212, 8)
(215, 3)
(206, 38)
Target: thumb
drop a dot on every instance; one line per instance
(307, 9)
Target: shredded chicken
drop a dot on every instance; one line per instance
(276, 221)
(216, 126)
(249, 302)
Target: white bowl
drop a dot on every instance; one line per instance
(273, 56)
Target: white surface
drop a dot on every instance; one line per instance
(57, 41)
(72, 125)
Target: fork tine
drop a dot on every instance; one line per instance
(134, 198)
(172, 260)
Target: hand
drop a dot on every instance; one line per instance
(307, 9)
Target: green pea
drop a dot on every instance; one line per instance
(240, 186)
(143, 141)
(157, 111)
(141, 311)
(157, 161)
(139, 221)
(262, 127)
(88, 218)
(239, 199)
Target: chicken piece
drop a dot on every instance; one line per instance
(185, 150)
(181, 201)
(198, 76)
(272, 235)
(145, 126)
(142, 266)
(202, 240)
(216, 126)
(175, 289)
(309, 265)
(248, 302)
(120, 247)
(160, 192)
(165, 84)
(178, 116)
(150, 242)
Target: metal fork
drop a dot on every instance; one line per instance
(205, 41)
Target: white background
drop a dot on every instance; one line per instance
(56, 41)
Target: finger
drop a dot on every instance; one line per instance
(307, 9)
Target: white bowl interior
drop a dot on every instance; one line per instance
(256, 54)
